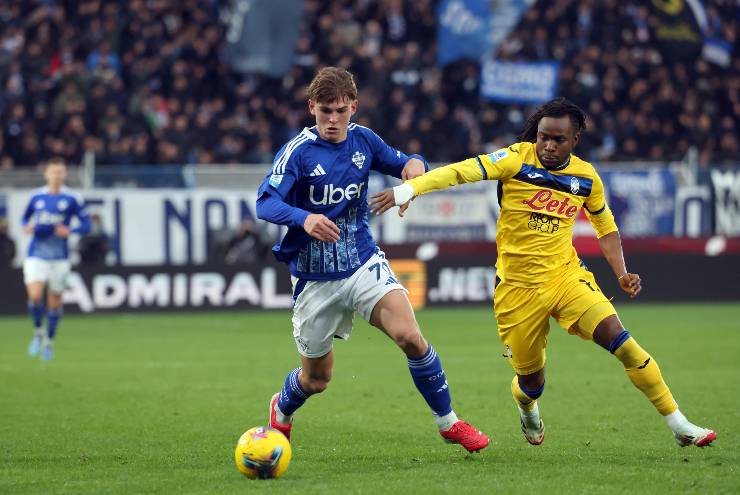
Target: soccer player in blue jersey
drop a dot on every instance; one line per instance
(318, 188)
(48, 217)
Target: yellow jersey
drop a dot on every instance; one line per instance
(539, 206)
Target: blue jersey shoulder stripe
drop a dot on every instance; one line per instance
(571, 184)
(279, 167)
(304, 136)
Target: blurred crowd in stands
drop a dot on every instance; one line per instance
(142, 82)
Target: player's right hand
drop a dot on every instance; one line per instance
(631, 283)
(319, 227)
(61, 230)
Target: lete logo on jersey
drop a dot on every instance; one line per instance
(542, 200)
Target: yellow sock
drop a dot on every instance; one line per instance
(645, 374)
(522, 399)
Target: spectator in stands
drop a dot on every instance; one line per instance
(95, 245)
(237, 246)
(246, 246)
(66, 67)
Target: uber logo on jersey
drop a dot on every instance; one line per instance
(333, 195)
(543, 223)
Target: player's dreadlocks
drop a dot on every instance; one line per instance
(559, 107)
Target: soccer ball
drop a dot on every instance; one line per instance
(263, 452)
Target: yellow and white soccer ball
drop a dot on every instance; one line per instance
(263, 452)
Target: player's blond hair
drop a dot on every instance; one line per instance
(332, 84)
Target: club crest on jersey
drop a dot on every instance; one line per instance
(358, 159)
(62, 204)
(574, 185)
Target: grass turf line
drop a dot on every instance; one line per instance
(155, 404)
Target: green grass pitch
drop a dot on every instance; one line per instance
(155, 404)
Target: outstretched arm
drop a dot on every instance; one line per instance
(611, 246)
(470, 170)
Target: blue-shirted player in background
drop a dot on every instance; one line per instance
(318, 188)
(48, 217)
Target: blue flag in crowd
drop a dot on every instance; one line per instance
(519, 82)
(473, 28)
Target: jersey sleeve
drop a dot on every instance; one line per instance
(447, 176)
(388, 160)
(598, 211)
(502, 164)
(286, 170)
(28, 212)
(81, 212)
(494, 166)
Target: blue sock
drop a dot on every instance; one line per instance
(292, 396)
(53, 317)
(37, 314)
(430, 379)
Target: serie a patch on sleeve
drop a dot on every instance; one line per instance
(498, 155)
(275, 180)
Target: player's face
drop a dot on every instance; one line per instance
(556, 138)
(332, 118)
(55, 175)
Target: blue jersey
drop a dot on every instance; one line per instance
(44, 211)
(319, 176)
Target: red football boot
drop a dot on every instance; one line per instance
(466, 435)
(284, 429)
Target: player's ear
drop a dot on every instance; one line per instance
(576, 137)
(353, 107)
(311, 107)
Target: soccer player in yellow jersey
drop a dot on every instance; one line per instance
(542, 185)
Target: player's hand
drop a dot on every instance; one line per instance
(631, 284)
(29, 228)
(318, 226)
(397, 196)
(413, 168)
(61, 230)
(382, 202)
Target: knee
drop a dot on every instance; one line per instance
(608, 332)
(532, 385)
(411, 342)
(316, 383)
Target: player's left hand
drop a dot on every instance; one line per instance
(61, 230)
(413, 168)
(382, 201)
(398, 196)
(631, 284)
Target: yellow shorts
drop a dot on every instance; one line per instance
(573, 299)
